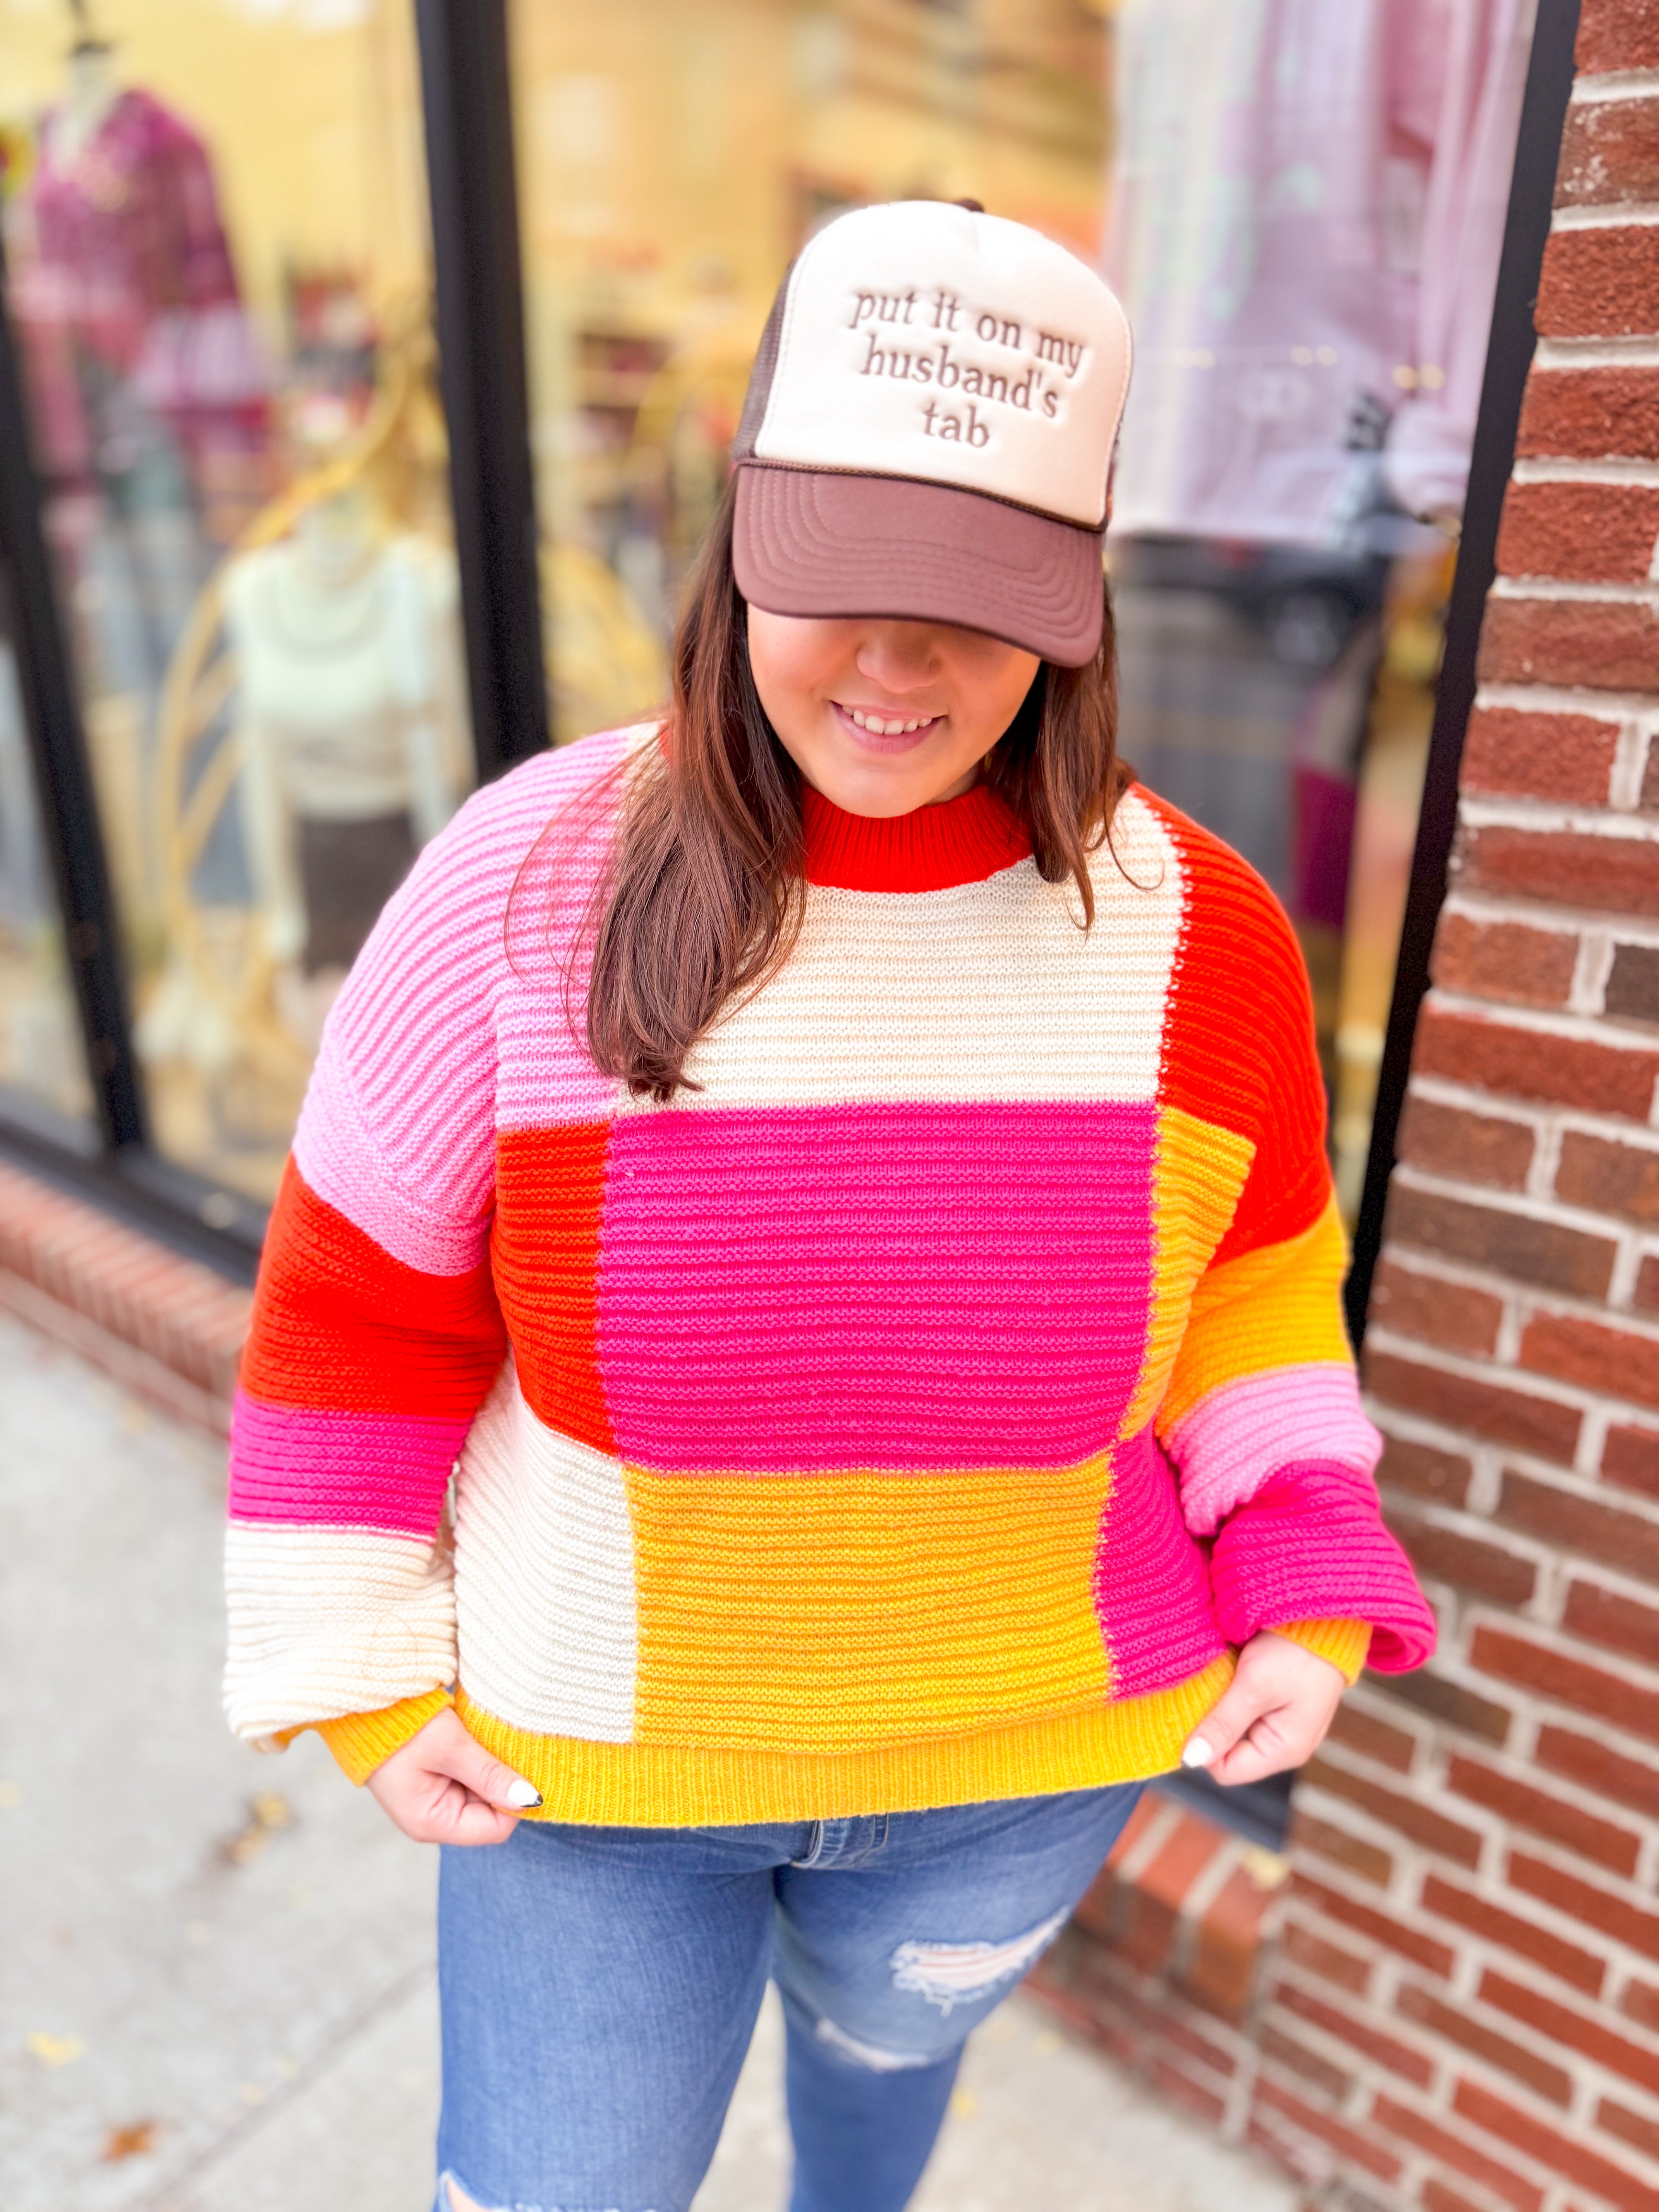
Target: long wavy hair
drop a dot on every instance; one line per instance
(702, 899)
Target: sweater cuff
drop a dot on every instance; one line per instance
(1344, 1643)
(362, 1741)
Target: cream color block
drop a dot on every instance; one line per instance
(988, 992)
(1017, 347)
(330, 1621)
(545, 1576)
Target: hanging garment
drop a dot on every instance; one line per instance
(132, 287)
(1308, 204)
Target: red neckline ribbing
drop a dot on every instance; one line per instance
(960, 841)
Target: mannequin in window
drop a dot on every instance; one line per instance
(352, 730)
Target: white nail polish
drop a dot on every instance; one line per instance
(1198, 1752)
(520, 1795)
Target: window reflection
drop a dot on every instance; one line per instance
(214, 223)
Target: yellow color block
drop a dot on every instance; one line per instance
(1277, 1306)
(1197, 1174)
(822, 1614)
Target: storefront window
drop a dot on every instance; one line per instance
(1304, 213)
(41, 1051)
(215, 224)
(671, 161)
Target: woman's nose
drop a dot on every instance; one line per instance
(901, 656)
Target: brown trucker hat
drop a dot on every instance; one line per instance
(929, 428)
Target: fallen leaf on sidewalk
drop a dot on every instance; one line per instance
(136, 2140)
(10, 1794)
(55, 2050)
(267, 1814)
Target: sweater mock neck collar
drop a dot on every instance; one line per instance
(958, 841)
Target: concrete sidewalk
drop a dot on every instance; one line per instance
(218, 1994)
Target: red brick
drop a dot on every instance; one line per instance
(1630, 1458)
(1628, 1705)
(1565, 757)
(1645, 1296)
(1469, 1562)
(1604, 645)
(1453, 2151)
(1149, 1808)
(1593, 1356)
(1408, 1815)
(1605, 1616)
(1476, 1147)
(1321, 1839)
(1568, 1962)
(1610, 1178)
(1341, 2024)
(1183, 2090)
(1642, 2135)
(1539, 1426)
(1566, 867)
(1544, 1816)
(1454, 1703)
(1556, 2152)
(1226, 1946)
(1150, 1912)
(1425, 1471)
(1286, 2050)
(1640, 2003)
(1533, 1064)
(1457, 2024)
(1587, 1760)
(1609, 154)
(1600, 283)
(1617, 34)
(1596, 1908)
(1360, 2149)
(1576, 1521)
(1451, 1315)
(1505, 960)
(1436, 2198)
(1649, 800)
(1372, 1738)
(1582, 532)
(1516, 1245)
(1574, 2031)
(1386, 1929)
(1591, 414)
(1632, 987)
(1346, 1969)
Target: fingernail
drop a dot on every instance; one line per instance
(1198, 1752)
(521, 1794)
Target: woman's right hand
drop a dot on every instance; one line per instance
(443, 1787)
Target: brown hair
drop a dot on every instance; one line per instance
(703, 898)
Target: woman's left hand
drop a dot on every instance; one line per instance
(1274, 1715)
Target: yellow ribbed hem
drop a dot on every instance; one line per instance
(362, 1742)
(635, 1785)
(1346, 1643)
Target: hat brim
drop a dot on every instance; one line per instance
(820, 542)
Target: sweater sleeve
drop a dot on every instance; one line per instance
(376, 1334)
(1261, 1416)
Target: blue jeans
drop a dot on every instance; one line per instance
(599, 1987)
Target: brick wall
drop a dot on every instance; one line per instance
(1465, 2007)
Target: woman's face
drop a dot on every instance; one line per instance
(883, 717)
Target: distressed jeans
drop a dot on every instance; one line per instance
(599, 1987)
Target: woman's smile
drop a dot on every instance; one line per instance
(884, 730)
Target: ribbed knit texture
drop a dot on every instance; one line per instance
(921, 1410)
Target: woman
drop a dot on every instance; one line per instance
(839, 1176)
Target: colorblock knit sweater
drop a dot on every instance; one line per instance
(920, 1410)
